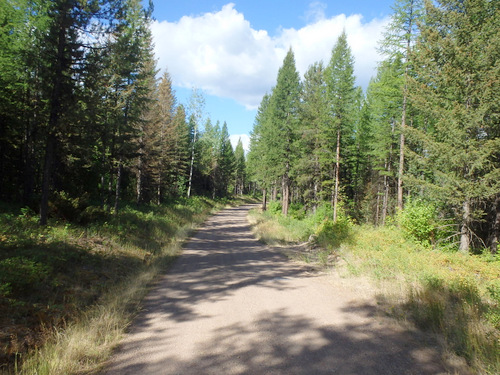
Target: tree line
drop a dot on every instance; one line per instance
(426, 130)
(85, 120)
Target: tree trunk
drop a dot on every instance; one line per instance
(402, 136)
(377, 208)
(285, 184)
(495, 241)
(60, 65)
(385, 201)
(140, 179)
(192, 164)
(337, 176)
(118, 184)
(47, 176)
(264, 199)
(464, 230)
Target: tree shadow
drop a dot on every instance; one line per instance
(219, 261)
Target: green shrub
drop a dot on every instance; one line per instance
(323, 212)
(274, 207)
(332, 235)
(297, 211)
(68, 208)
(419, 221)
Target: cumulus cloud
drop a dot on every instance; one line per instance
(222, 54)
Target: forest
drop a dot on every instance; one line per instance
(85, 121)
(425, 135)
(103, 172)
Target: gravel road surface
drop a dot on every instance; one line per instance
(231, 305)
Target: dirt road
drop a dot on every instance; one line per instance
(230, 305)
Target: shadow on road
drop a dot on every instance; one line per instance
(219, 261)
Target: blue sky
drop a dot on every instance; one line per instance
(232, 50)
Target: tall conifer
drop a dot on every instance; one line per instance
(456, 62)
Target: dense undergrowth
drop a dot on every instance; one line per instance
(68, 290)
(454, 295)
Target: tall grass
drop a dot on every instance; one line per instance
(69, 290)
(454, 295)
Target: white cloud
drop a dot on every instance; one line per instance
(245, 140)
(220, 52)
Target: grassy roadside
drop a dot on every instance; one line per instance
(454, 295)
(68, 291)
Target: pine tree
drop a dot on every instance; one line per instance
(280, 131)
(260, 165)
(384, 98)
(64, 55)
(455, 60)
(227, 161)
(400, 37)
(130, 50)
(239, 169)
(313, 117)
(167, 134)
(341, 98)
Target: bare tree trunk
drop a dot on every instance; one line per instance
(465, 228)
(192, 163)
(402, 142)
(385, 201)
(285, 195)
(264, 199)
(495, 241)
(337, 176)
(140, 178)
(118, 184)
(377, 209)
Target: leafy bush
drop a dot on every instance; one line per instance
(323, 212)
(297, 211)
(68, 208)
(332, 235)
(419, 221)
(274, 207)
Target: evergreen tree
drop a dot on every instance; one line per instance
(179, 152)
(260, 164)
(455, 60)
(239, 169)
(168, 136)
(400, 37)
(227, 161)
(280, 131)
(384, 98)
(313, 117)
(341, 98)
